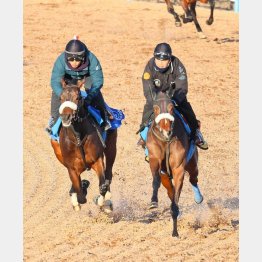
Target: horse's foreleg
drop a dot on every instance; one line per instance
(211, 18)
(171, 10)
(178, 178)
(154, 166)
(76, 192)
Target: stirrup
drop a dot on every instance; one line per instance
(200, 141)
(106, 125)
(202, 145)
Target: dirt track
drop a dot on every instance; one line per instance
(123, 34)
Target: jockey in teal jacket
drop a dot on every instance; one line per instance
(91, 68)
(77, 63)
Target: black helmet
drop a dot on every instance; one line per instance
(163, 51)
(75, 49)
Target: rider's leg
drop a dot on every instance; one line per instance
(55, 104)
(187, 111)
(99, 103)
(147, 112)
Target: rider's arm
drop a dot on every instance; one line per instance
(58, 73)
(148, 85)
(181, 83)
(96, 74)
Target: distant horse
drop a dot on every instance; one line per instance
(81, 148)
(189, 7)
(168, 145)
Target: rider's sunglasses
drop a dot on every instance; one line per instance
(162, 56)
(76, 58)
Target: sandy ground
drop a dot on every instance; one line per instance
(123, 34)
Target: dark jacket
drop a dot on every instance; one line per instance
(92, 71)
(173, 81)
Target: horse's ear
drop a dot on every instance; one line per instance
(170, 108)
(156, 110)
(63, 83)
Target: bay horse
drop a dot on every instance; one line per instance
(168, 145)
(189, 7)
(81, 148)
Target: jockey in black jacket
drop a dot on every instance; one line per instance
(165, 73)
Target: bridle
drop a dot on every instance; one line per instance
(156, 129)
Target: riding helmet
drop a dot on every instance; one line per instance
(76, 49)
(163, 51)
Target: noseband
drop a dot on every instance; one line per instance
(76, 117)
(163, 106)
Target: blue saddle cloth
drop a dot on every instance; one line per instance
(192, 146)
(116, 122)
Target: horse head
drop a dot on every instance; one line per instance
(164, 114)
(70, 98)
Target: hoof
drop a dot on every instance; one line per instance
(108, 195)
(77, 208)
(178, 24)
(201, 36)
(153, 205)
(175, 234)
(108, 206)
(199, 199)
(99, 200)
(209, 22)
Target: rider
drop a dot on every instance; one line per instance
(164, 72)
(75, 63)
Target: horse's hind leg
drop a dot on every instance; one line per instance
(197, 25)
(110, 156)
(171, 10)
(187, 17)
(192, 169)
(211, 17)
(110, 153)
(98, 167)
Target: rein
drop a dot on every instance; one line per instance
(169, 141)
(79, 144)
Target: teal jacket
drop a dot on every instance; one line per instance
(92, 71)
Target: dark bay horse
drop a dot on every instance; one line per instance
(189, 7)
(168, 145)
(80, 148)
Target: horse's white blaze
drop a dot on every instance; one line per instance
(164, 116)
(165, 133)
(67, 104)
(101, 201)
(74, 199)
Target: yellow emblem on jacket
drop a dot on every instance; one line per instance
(146, 76)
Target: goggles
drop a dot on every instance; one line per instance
(162, 56)
(76, 58)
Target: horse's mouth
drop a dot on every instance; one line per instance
(66, 120)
